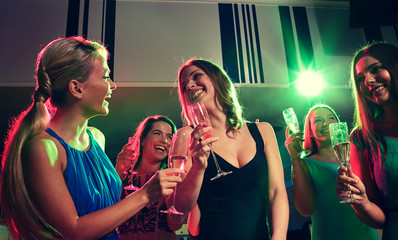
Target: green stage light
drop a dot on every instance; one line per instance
(310, 83)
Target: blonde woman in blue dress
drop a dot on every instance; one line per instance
(56, 181)
(314, 179)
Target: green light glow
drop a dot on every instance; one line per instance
(310, 83)
(51, 150)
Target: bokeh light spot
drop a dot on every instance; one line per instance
(310, 83)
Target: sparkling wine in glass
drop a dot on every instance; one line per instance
(340, 139)
(133, 145)
(292, 122)
(178, 154)
(197, 113)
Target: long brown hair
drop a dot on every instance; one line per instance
(225, 92)
(59, 62)
(366, 111)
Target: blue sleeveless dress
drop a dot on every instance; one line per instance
(91, 178)
(235, 206)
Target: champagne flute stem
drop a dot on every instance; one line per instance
(215, 159)
(174, 196)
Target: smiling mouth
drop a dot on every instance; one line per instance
(160, 148)
(377, 89)
(325, 131)
(196, 95)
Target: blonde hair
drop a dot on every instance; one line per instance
(59, 62)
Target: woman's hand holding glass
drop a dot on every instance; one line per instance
(292, 126)
(197, 113)
(200, 149)
(340, 140)
(294, 143)
(131, 151)
(178, 155)
(162, 183)
(350, 186)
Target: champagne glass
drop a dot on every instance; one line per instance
(340, 139)
(292, 122)
(197, 113)
(133, 145)
(178, 154)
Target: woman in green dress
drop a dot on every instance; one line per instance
(314, 181)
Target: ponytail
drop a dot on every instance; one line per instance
(21, 215)
(59, 62)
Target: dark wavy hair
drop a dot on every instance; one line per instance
(142, 131)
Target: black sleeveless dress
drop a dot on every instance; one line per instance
(235, 206)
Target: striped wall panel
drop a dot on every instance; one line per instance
(262, 45)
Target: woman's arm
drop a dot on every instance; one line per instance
(303, 188)
(363, 187)
(193, 221)
(44, 163)
(188, 191)
(278, 201)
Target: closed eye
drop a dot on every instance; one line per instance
(156, 133)
(375, 69)
(196, 76)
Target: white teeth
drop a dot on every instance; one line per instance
(378, 89)
(197, 93)
(160, 148)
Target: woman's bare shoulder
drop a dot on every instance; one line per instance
(265, 127)
(43, 147)
(98, 136)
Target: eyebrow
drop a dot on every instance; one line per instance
(369, 67)
(157, 130)
(193, 72)
(317, 116)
